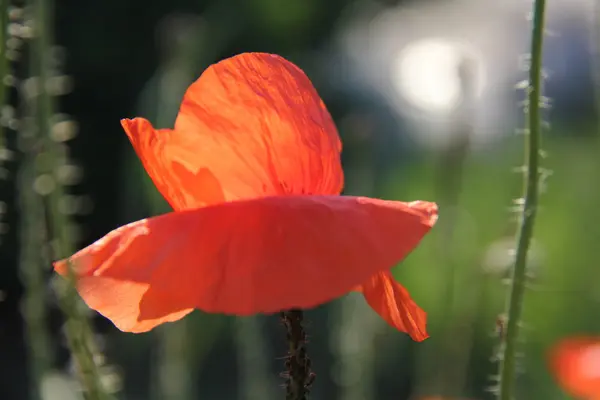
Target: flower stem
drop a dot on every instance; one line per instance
(527, 220)
(299, 376)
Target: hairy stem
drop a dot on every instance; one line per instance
(40, 105)
(4, 8)
(32, 266)
(527, 220)
(33, 237)
(299, 376)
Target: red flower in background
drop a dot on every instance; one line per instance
(575, 364)
(252, 170)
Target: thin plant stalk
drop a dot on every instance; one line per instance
(172, 371)
(3, 59)
(172, 376)
(33, 238)
(452, 346)
(79, 333)
(355, 322)
(354, 331)
(450, 183)
(32, 274)
(255, 381)
(527, 219)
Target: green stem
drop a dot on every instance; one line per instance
(78, 332)
(3, 60)
(517, 292)
(79, 336)
(32, 269)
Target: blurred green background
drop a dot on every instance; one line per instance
(423, 93)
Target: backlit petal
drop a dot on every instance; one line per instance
(252, 125)
(119, 301)
(261, 255)
(393, 303)
(171, 160)
(575, 363)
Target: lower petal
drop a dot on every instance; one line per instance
(247, 257)
(393, 303)
(131, 306)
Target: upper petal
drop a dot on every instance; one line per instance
(172, 161)
(393, 303)
(252, 125)
(260, 255)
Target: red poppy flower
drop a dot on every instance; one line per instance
(575, 363)
(252, 170)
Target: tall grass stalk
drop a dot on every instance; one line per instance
(255, 381)
(355, 327)
(49, 158)
(33, 234)
(450, 344)
(454, 347)
(354, 333)
(5, 109)
(172, 369)
(527, 218)
(4, 10)
(31, 264)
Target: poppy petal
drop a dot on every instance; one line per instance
(252, 125)
(260, 255)
(119, 301)
(170, 159)
(393, 303)
(575, 362)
